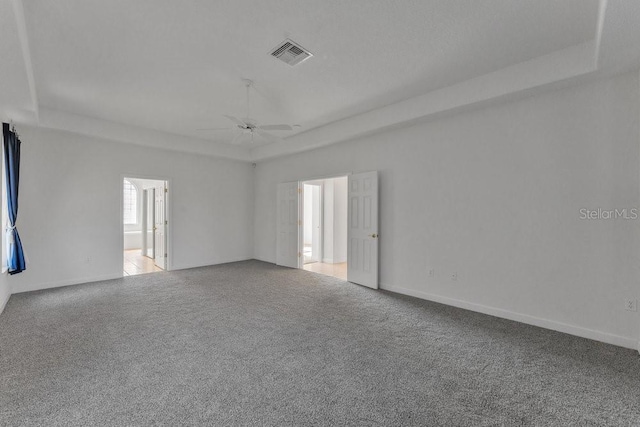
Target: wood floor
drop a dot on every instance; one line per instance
(135, 263)
(335, 270)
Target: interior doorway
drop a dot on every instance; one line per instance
(144, 219)
(359, 254)
(324, 219)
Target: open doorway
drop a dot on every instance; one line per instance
(144, 219)
(354, 209)
(324, 236)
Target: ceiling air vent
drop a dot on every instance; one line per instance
(290, 52)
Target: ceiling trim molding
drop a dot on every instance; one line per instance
(18, 10)
(537, 73)
(98, 128)
(507, 83)
(602, 9)
(561, 67)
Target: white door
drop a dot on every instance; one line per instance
(311, 215)
(145, 225)
(362, 229)
(316, 224)
(151, 222)
(159, 229)
(287, 252)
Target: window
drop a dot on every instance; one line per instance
(130, 203)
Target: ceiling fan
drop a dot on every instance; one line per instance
(249, 126)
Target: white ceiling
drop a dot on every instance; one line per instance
(14, 87)
(170, 67)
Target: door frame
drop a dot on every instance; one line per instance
(301, 212)
(301, 222)
(301, 185)
(160, 260)
(168, 216)
(143, 225)
(151, 206)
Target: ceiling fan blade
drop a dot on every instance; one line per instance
(267, 135)
(213, 129)
(237, 121)
(276, 127)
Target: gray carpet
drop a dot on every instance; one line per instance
(253, 344)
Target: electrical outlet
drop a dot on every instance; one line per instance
(454, 276)
(631, 305)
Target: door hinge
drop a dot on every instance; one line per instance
(299, 190)
(165, 189)
(165, 255)
(166, 222)
(299, 222)
(299, 254)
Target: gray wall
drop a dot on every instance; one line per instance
(495, 195)
(71, 197)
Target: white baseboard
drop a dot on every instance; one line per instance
(522, 318)
(66, 282)
(210, 263)
(4, 302)
(81, 280)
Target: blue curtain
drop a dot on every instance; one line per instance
(15, 256)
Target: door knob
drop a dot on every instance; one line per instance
(374, 235)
